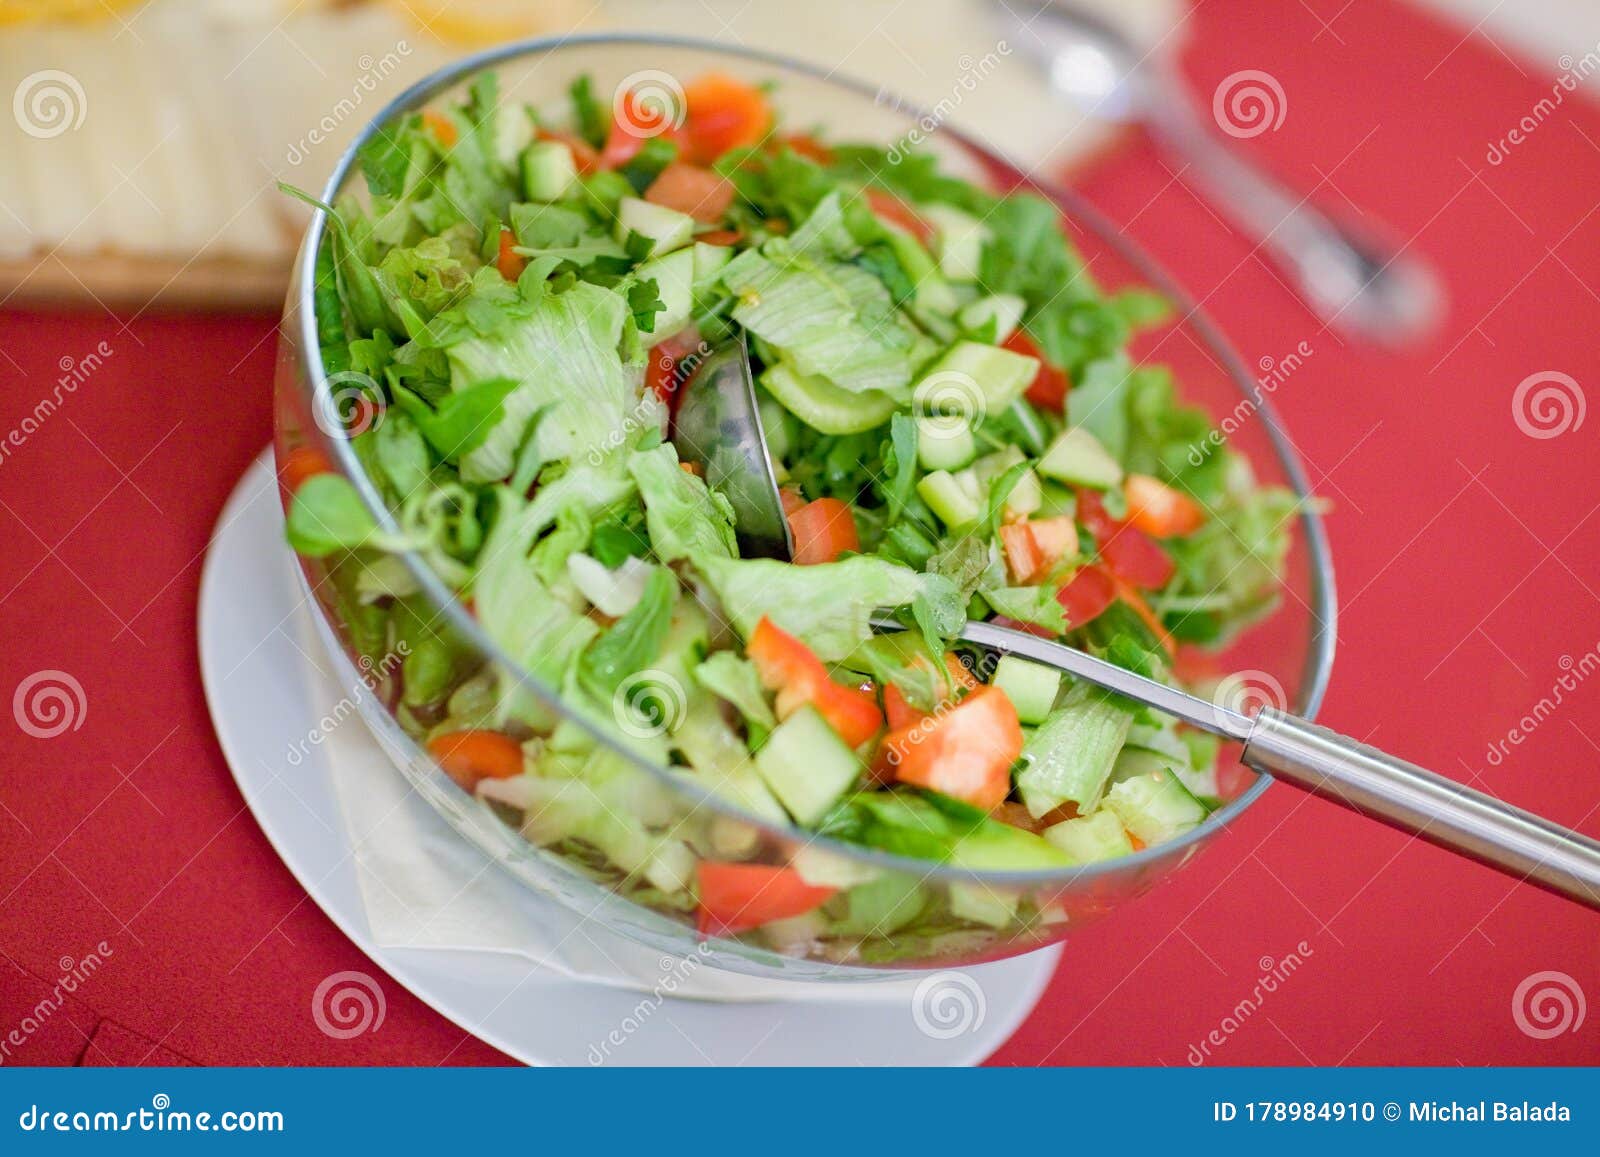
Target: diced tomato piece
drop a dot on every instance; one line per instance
(1089, 592)
(961, 675)
(1056, 538)
(791, 498)
(301, 463)
(722, 112)
(1128, 552)
(1159, 509)
(719, 237)
(789, 667)
(1023, 559)
(690, 189)
(510, 263)
(470, 756)
(1049, 387)
(810, 148)
(965, 752)
(661, 373)
(664, 371)
(898, 708)
(584, 155)
(896, 212)
(737, 897)
(823, 530)
(441, 126)
(627, 137)
(1033, 548)
(958, 680)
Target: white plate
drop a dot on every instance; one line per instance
(257, 676)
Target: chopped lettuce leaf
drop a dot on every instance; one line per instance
(685, 517)
(828, 607)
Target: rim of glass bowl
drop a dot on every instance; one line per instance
(1319, 655)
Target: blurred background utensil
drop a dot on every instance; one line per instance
(1368, 289)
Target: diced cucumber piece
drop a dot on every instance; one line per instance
(933, 293)
(721, 760)
(1026, 496)
(1090, 838)
(513, 129)
(955, 504)
(1155, 807)
(674, 278)
(778, 425)
(1030, 686)
(807, 766)
(1071, 755)
(943, 444)
(959, 240)
(548, 171)
(1000, 374)
(1136, 761)
(883, 906)
(981, 904)
(1001, 310)
(824, 406)
(825, 869)
(665, 229)
(997, 847)
(709, 260)
(1077, 458)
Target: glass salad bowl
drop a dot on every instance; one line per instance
(628, 844)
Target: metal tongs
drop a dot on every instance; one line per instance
(718, 426)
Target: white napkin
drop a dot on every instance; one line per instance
(426, 886)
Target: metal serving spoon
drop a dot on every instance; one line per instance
(1351, 280)
(718, 426)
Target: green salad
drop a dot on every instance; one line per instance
(506, 320)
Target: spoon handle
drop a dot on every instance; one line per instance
(1428, 806)
(1352, 281)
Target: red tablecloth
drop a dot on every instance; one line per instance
(1468, 557)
